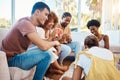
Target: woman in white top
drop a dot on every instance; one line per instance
(64, 50)
(93, 25)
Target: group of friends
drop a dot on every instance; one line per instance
(43, 41)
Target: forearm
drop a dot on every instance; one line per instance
(42, 44)
(47, 45)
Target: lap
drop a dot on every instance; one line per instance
(28, 59)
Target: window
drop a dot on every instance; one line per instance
(5, 13)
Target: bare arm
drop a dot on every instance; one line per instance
(42, 44)
(52, 36)
(77, 73)
(106, 41)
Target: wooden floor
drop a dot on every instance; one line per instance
(67, 62)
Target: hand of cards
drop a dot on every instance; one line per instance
(65, 39)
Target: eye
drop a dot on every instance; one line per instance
(47, 14)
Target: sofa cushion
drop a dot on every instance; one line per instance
(19, 74)
(80, 37)
(114, 39)
(4, 71)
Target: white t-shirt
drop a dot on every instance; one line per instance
(41, 32)
(85, 61)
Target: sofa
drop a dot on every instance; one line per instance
(19, 74)
(12, 73)
(4, 70)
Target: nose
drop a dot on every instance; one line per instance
(46, 17)
(92, 31)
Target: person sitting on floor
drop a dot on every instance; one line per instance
(96, 62)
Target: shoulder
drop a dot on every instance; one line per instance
(25, 26)
(101, 53)
(105, 37)
(25, 20)
(24, 23)
(82, 56)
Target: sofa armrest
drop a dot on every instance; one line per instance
(4, 70)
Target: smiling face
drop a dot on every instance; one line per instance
(93, 30)
(42, 16)
(49, 24)
(65, 21)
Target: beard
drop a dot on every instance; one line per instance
(40, 25)
(64, 24)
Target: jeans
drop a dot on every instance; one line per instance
(32, 57)
(65, 51)
(75, 46)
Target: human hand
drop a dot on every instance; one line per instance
(58, 48)
(52, 34)
(68, 38)
(56, 43)
(64, 68)
(59, 33)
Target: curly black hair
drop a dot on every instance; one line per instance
(93, 22)
(65, 14)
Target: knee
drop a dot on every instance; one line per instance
(65, 49)
(76, 42)
(68, 49)
(48, 55)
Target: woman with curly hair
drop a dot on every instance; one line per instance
(93, 25)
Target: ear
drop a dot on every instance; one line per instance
(37, 11)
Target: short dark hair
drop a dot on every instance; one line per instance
(91, 41)
(93, 22)
(65, 14)
(40, 6)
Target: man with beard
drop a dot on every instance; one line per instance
(64, 25)
(24, 33)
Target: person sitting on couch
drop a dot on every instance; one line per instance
(23, 34)
(63, 51)
(93, 25)
(64, 25)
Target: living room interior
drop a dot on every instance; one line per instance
(106, 11)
